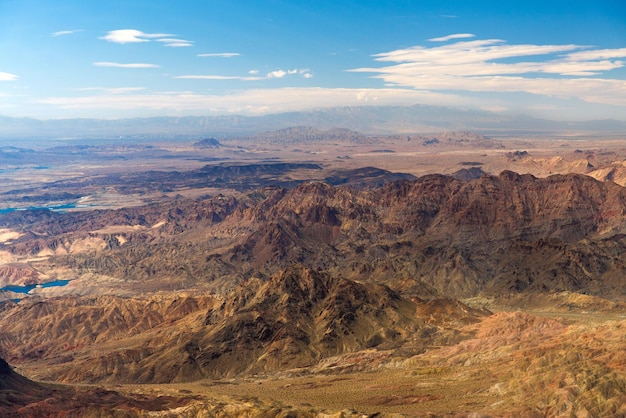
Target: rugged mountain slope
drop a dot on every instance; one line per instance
(615, 172)
(265, 292)
(495, 234)
(435, 235)
(18, 274)
(24, 398)
(298, 317)
(541, 366)
(66, 331)
(292, 320)
(21, 397)
(16, 390)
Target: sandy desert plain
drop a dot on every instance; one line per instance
(211, 278)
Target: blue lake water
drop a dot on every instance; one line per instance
(28, 288)
(60, 208)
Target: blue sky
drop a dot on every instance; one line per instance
(118, 59)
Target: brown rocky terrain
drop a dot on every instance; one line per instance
(545, 367)
(21, 397)
(308, 135)
(246, 289)
(18, 274)
(435, 236)
(615, 172)
(293, 320)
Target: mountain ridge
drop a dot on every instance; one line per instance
(368, 119)
(318, 287)
(292, 320)
(436, 235)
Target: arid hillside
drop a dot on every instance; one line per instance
(436, 236)
(21, 397)
(291, 321)
(282, 299)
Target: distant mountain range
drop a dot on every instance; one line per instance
(365, 119)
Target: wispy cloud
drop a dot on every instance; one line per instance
(304, 72)
(175, 43)
(453, 36)
(253, 75)
(7, 77)
(598, 54)
(492, 65)
(119, 65)
(126, 36)
(462, 53)
(65, 32)
(221, 55)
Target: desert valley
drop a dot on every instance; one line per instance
(314, 272)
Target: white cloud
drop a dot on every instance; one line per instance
(221, 54)
(470, 51)
(277, 74)
(170, 40)
(304, 72)
(253, 75)
(123, 90)
(453, 36)
(65, 32)
(176, 43)
(598, 54)
(125, 36)
(118, 65)
(477, 66)
(7, 76)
